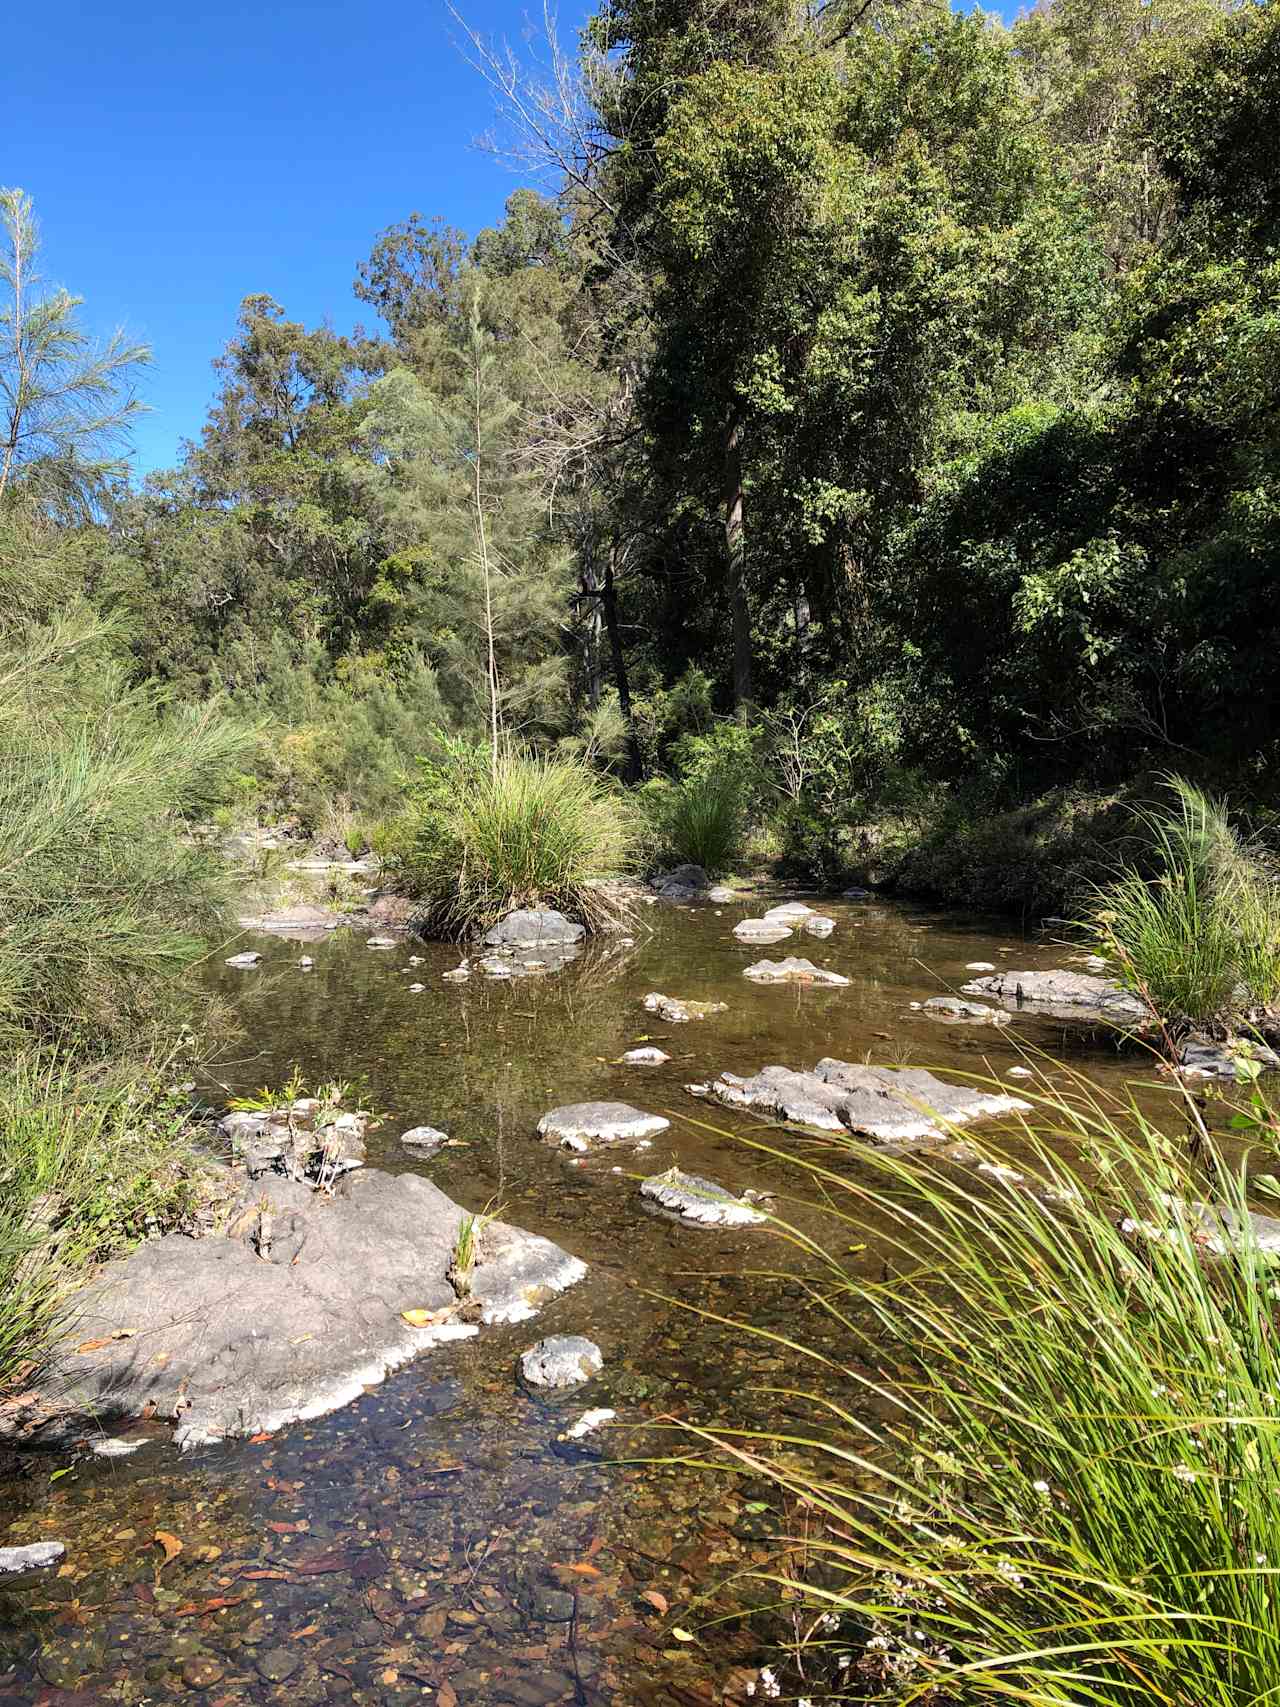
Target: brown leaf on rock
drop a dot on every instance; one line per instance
(172, 1546)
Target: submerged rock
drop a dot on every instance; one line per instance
(761, 930)
(36, 1557)
(818, 924)
(424, 1140)
(895, 1104)
(1063, 995)
(564, 1360)
(856, 894)
(579, 1125)
(296, 1311)
(381, 942)
(646, 1057)
(975, 1013)
(689, 1197)
(459, 974)
(494, 967)
(533, 928)
(792, 970)
(1235, 1058)
(245, 960)
(677, 1010)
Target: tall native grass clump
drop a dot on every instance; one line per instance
(484, 836)
(1042, 1455)
(1195, 924)
(700, 820)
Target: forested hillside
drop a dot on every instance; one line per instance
(875, 403)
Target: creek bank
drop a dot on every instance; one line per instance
(294, 1310)
(892, 1104)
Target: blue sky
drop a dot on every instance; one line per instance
(181, 155)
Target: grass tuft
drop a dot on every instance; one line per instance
(699, 821)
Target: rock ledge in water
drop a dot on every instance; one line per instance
(676, 1010)
(763, 931)
(36, 1557)
(564, 1360)
(1062, 995)
(579, 1125)
(976, 1013)
(1235, 1058)
(297, 1310)
(689, 1197)
(792, 970)
(893, 1104)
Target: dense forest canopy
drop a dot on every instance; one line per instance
(883, 385)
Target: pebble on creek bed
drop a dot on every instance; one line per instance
(563, 1360)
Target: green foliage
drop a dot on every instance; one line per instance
(1038, 1448)
(478, 839)
(699, 820)
(1196, 927)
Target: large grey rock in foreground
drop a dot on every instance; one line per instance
(296, 1310)
(533, 928)
(564, 1360)
(972, 1013)
(895, 1104)
(689, 1197)
(1062, 995)
(36, 1557)
(579, 1125)
(792, 970)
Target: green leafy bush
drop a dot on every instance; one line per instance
(480, 838)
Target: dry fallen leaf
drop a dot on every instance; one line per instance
(258, 1439)
(427, 1318)
(657, 1600)
(172, 1546)
(682, 1635)
(580, 1568)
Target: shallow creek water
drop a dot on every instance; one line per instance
(429, 1542)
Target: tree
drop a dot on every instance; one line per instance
(65, 404)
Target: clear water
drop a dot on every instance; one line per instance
(421, 1544)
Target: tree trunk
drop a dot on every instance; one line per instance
(609, 607)
(591, 593)
(736, 550)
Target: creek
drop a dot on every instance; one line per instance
(432, 1541)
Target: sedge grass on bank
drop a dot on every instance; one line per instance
(483, 837)
(700, 820)
(1048, 1469)
(1197, 929)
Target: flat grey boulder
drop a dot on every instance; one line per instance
(36, 1557)
(534, 928)
(564, 1360)
(646, 1057)
(685, 883)
(1062, 995)
(424, 1140)
(579, 1125)
(678, 1010)
(761, 930)
(295, 1310)
(242, 962)
(792, 970)
(972, 1013)
(1236, 1058)
(893, 1104)
(819, 925)
(689, 1197)
(789, 913)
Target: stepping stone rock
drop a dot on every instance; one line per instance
(1062, 995)
(533, 928)
(424, 1140)
(976, 1013)
(492, 967)
(894, 1104)
(1236, 1058)
(564, 1360)
(579, 1125)
(459, 974)
(243, 961)
(647, 1057)
(763, 931)
(689, 1197)
(677, 1011)
(381, 942)
(792, 970)
(722, 895)
(36, 1557)
(981, 966)
(818, 924)
(789, 913)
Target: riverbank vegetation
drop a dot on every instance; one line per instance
(1038, 1454)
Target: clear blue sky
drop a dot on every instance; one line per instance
(183, 153)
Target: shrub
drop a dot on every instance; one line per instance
(1195, 928)
(1040, 1454)
(700, 820)
(480, 838)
